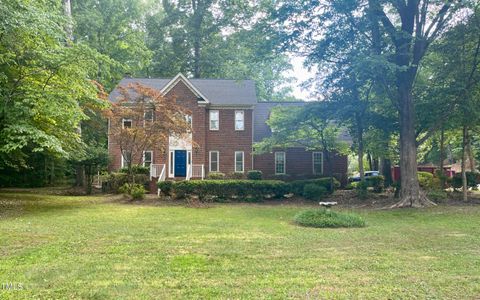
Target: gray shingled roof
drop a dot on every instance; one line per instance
(217, 91)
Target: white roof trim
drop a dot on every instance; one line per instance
(187, 82)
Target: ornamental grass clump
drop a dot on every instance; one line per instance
(326, 218)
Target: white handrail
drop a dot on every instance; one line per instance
(161, 178)
(189, 172)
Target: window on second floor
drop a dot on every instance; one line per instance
(148, 116)
(214, 120)
(126, 123)
(239, 120)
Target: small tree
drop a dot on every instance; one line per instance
(144, 119)
(303, 126)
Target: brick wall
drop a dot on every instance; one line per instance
(227, 140)
(299, 163)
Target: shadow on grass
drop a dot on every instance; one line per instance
(14, 204)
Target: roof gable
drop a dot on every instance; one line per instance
(187, 82)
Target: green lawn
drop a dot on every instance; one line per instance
(88, 247)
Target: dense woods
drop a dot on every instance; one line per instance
(401, 76)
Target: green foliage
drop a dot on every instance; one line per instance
(135, 190)
(428, 181)
(314, 191)
(45, 83)
(326, 218)
(254, 175)
(377, 182)
(437, 195)
(136, 169)
(473, 179)
(362, 190)
(306, 125)
(240, 190)
(298, 186)
(216, 175)
(115, 180)
(165, 187)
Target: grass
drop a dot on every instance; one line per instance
(326, 218)
(93, 248)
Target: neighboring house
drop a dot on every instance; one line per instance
(226, 120)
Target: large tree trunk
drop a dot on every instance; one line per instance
(410, 193)
(471, 158)
(464, 157)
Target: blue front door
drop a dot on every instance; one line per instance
(180, 163)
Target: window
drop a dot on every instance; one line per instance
(239, 161)
(147, 158)
(148, 116)
(239, 117)
(126, 157)
(214, 120)
(126, 123)
(317, 158)
(188, 118)
(279, 162)
(214, 158)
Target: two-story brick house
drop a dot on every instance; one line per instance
(226, 121)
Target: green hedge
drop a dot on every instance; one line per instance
(242, 190)
(298, 186)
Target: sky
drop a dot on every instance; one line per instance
(301, 74)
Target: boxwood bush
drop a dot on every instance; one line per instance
(216, 175)
(241, 190)
(314, 191)
(254, 175)
(115, 180)
(298, 186)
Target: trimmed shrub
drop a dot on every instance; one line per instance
(241, 190)
(314, 191)
(254, 175)
(134, 190)
(326, 218)
(165, 187)
(236, 175)
(362, 190)
(297, 186)
(137, 169)
(215, 175)
(376, 182)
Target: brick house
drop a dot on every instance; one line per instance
(226, 121)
